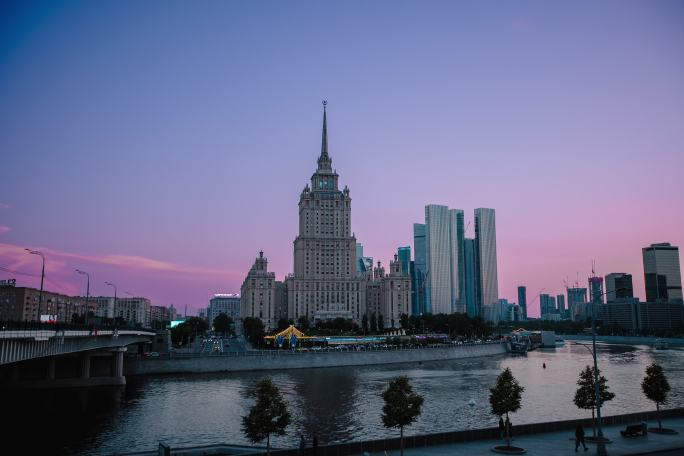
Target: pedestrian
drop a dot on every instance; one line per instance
(579, 437)
(508, 428)
(315, 444)
(501, 428)
(302, 445)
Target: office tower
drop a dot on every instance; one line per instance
(596, 289)
(457, 260)
(438, 258)
(420, 269)
(470, 278)
(325, 284)
(619, 286)
(485, 240)
(444, 257)
(560, 303)
(544, 304)
(577, 300)
(522, 301)
(404, 255)
(662, 274)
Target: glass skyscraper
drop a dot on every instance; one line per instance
(619, 286)
(522, 300)
(470, 281)
(485, 240)
(419, 270)
(662, 274)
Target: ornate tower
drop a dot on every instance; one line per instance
(325, 284)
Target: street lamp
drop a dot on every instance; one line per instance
(113, 286)
(600, 440)
(85, 312)
(42, 277)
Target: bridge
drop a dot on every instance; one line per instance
(53, 358)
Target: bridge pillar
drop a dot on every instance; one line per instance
(85, 365)
(118, 363)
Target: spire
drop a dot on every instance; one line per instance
(324, 161)
(324, 140)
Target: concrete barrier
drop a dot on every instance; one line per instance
(627, 340)
(282, 359)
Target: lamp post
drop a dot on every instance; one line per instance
(600, 440)
(85, 312)
(42, 277)
(113, 286)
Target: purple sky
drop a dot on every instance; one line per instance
(160, 145)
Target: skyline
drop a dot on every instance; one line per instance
(143, 149)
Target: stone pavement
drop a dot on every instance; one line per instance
(563, 443)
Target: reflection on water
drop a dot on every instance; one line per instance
(340, 404)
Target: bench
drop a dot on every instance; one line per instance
(634, 430)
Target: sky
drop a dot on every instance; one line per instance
(160, 145)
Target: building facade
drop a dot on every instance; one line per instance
(21, 304)
(325, 283)
(258, 293)
(470, 277)
(522, 301)
(486, 263)
(420, 269)
(226, 303)
(619, 286)
(662, 274)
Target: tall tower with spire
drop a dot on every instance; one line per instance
(325, 284)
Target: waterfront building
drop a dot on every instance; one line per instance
(596, 289)
(104, 306)
(636, 317)
(619, 286)
(134, 310)
(522, 301)
(258, 294)
(662, 275)
(395, 298)
(577, 302)
(21, 304)
(325, 283)
(162, 313)
(486, 263)
(420, 271)
(226, 303)
(560, 305)
(470, 278)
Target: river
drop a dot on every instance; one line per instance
(340, 404)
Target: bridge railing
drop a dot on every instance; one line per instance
(62, 326)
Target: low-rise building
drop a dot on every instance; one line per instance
(21, 304)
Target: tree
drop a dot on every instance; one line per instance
(187, 331)
(404, 321)
(402, 406)
(254, 330)
(364, 323)
(222, 323)
(505, 397)
(268, 416)
(585, 396)
(381, 323)
(304, 323)
(373, 323)
(283, 323)
(656, 387)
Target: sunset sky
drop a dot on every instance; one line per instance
(160, 145)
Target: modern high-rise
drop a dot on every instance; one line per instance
(560, 304)
(662, 275)
(470, 278)
(420, 269)
(325, 284)
(485, 241)
(404, 255)
(619, 286)
(443, 254)
(596, 289)
(522, 300)
(577, 302)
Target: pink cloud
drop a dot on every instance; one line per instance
(4, 229)
(4, 206)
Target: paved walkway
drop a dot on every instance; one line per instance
(563, 443)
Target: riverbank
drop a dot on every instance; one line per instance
(556, 437)
(627, 340)
(285, 359)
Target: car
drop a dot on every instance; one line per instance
(154, 354)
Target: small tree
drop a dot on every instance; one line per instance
(402, 406)
(585, 396)
(268, 416)
(505, 397)
(222, 323)
(656, 387)
(364, 323)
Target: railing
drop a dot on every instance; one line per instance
(60, 326)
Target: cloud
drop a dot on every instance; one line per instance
(4, 206)
(4, 229)
(18, 257)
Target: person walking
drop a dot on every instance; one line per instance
(579, 437)
(302, 445)
(501, 428)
